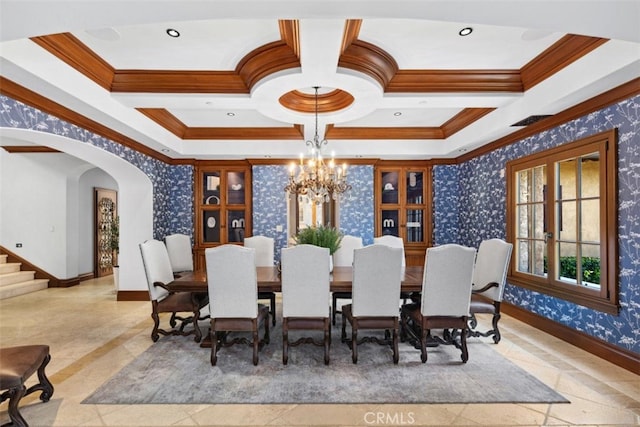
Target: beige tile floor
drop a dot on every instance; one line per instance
(92, 337)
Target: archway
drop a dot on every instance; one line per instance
(135, 198)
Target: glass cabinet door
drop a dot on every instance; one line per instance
(389, 188)
(390, 222)
(211, 226)
(235, 188)
(211, 188)
(415, 225)
(235, 226)
(414, 188)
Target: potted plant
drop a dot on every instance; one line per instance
(115, 249)
(323, 236)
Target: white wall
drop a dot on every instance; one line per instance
(39, 209)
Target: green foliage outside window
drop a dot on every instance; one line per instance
(590, 268)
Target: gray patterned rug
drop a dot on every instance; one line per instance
(177, 370)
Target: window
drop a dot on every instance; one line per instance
(562, 220)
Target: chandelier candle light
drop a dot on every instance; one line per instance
(316, 180)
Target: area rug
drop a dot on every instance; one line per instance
(176, 370)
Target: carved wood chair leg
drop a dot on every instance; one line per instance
(285, 347)
(496, 331)
(256, 343)
(343, 336)
(43, 382)
(463, 345)
(396, 356)
(272, 302)
(172, 321)
(156, 325)
(423, 344)
(214, 347)
(15, 395)
(354, 343)
(327, 341)
(333, 308)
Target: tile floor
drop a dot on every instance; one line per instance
(92, 337)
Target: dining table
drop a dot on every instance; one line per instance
(268, 279)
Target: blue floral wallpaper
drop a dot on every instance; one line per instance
(357, 208)
(469, 204)
(172, 185)
(477, 190)
(270, 203)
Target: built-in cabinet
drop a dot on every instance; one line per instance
(222, 204)
(403, 206)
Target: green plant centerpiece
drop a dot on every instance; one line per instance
(323, 236)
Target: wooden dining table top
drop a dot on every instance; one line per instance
(269, 280)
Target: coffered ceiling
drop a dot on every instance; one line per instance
(397, 79)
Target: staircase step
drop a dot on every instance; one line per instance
(22, 288)
(9, 267)
(16, 277)
(3, 258)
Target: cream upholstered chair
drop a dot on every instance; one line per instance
(489, 279)
(343, 257)
(393, 241)
(233, 292)
(446, 293)
(157, 268)
(377, 271)
(180, 252)
(305, 296)
(264, 247)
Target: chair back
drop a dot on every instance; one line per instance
(157, 267)
(232, 281)
(305, 281)
(264, 247)
(446, 284)
(180, 252)
(491, 265)
(377, 275)
(392, 241)
(343, 257)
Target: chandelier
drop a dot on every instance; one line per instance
(315, 180)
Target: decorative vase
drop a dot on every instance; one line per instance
(330, 263)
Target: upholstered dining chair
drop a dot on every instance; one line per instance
(264, 247)
(180, 252)
(394, 242)
(377, 271)
(233, 292)
(305, 296)
(343, 257)
(446, 294)
(159, 273)
(489, 279)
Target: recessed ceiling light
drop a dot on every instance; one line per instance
(230, 114)
(465, 31)
(462, 150)
(397, 113)
(165, 150)
(173, 32)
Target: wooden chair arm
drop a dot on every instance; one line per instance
(485, 288)
(163, 286)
